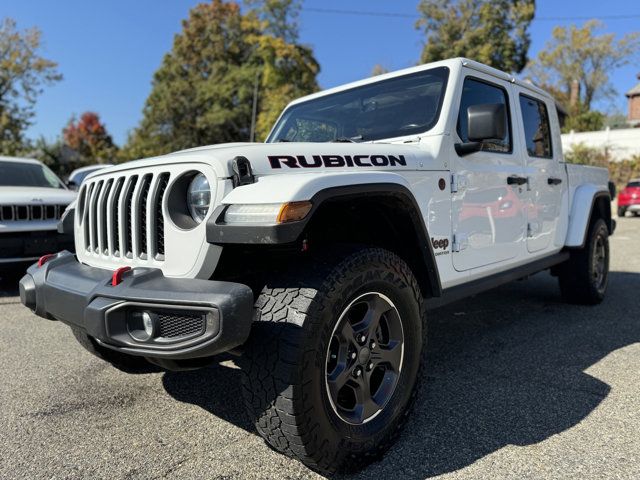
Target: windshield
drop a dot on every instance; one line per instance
(633, 184)
(18, 174)
(400, 106)
(79, 177)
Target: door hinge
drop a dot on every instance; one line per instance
(458, 182)
(459, 242)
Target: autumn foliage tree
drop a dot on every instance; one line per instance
(494, 32)
(575, 66)
(89, 139)
(203, 92)
(23, 73)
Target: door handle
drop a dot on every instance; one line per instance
(554, 181)
(516, 180)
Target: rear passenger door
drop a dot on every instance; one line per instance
(546, 176)
(488, 210)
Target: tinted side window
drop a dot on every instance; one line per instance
(476, 92)
(537, 131)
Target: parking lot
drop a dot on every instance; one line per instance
(518, 385)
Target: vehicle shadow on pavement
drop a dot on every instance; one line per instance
(9, 284)
(222, 397)
(503, 368)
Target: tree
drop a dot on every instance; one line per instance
(585, 121)
(493, 32)
(23, 73)
(203, 92)
(580, 61)
(378, 70)
(279, 18)
(88, 137)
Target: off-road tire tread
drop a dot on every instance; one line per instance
(575, 281)
(270, 363)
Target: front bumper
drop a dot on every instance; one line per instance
(633, 207)
(83, 297)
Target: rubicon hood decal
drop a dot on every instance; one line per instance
(317, 161)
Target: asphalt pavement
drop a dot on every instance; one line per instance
(518, 385)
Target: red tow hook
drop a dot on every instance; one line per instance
(116, 278)
(45, 258)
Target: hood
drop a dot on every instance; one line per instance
(278, 158)
(36, 196)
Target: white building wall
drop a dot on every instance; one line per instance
(621, 144)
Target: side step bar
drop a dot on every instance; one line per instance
(450, 295)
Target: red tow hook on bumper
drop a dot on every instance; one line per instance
(118, 274)
(45, 258)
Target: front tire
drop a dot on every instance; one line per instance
(622, 211)
(584, 278)
(331, 366)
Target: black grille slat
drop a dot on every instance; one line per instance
(22, 212)
(180, 324)
(87, 226)
(162, 187)
(103, 208)
(94, 213)
(7, 213)
(116, 215)
(36, 212)
(142, 215)
(128, 248)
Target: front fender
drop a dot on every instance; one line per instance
(294, 188)
(582, 206)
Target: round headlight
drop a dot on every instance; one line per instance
(199, 197)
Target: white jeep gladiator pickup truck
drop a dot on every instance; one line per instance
(314, 256)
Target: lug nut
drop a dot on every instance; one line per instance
(357, 372)
(353, 355)
(362, 338)
(373, 344)
(370, 366)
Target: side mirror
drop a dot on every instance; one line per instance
(485, 121)
(71, 184)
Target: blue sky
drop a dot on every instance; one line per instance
(108, 51)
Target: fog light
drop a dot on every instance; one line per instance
(142, 325)
(147, 322)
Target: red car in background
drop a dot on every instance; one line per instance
(629, 198)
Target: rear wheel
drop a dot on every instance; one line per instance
(333, 358)
(583, 279)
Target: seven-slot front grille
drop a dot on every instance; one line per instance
(122, 216)
(16, 213)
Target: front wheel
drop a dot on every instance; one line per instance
(622, 211)
(331, 366)
(584, 277)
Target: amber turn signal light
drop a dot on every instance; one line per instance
(293, 211)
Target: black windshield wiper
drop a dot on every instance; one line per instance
(355, 139)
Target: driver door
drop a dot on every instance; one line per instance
(488, 208)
